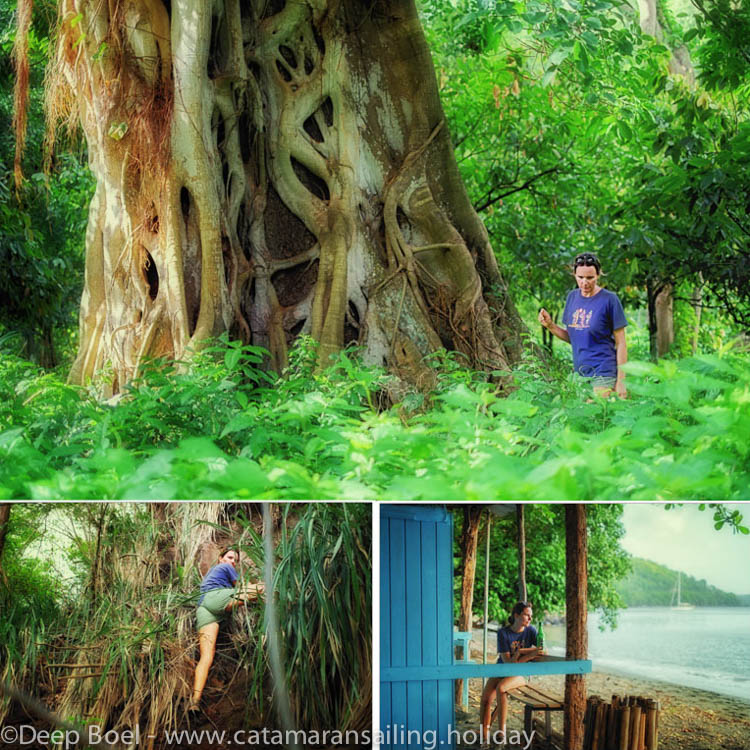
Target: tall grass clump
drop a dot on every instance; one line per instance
(322, 584)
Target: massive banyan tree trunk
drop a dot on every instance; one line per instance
(271, 168)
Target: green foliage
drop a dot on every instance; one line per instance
(573, 134)
(652, 585)
(322, 582)
(545, 561)
(217, 428)
(42, 226)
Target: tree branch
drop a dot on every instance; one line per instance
(525, 186)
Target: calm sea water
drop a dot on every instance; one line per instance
(706, 648)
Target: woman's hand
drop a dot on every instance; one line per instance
(545, 318)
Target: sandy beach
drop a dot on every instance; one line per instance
(689, 719)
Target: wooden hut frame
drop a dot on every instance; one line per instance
(575, 665)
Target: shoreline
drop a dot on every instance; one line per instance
(689, 719)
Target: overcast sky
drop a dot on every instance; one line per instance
(684, 538)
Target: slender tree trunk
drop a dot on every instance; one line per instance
(4, 521)
(521, 553)
(651, 294)
(664, 309)
(271, 169)
(653, 23)
(697, 302)
(576, 637)
(548, 338)
(469, 540)
(94, 580)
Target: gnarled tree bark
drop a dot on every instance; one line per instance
(272, 168)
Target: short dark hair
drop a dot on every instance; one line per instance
(518, 607)
(587, 259)
(223, 551)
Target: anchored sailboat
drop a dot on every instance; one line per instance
(680, 605)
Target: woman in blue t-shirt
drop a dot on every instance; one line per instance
(595, 328)
(516, 642)
(218, 598)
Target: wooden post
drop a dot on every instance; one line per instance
(609, 744)
(599, 726)
(576, 637)
(521, 553)
(469, 539)
(624, 728)
(589, 721)
(652, 710)
(635, 727)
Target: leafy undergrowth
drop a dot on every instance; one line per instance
(224, 428)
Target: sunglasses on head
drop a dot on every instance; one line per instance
(586, 259)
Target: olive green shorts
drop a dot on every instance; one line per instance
(213, 607)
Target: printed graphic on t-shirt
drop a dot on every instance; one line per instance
(581, 318)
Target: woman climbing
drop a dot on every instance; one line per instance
(218, 598)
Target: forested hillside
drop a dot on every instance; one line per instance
(652, 585)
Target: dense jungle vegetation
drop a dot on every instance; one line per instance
(98, 604)
(575, 130)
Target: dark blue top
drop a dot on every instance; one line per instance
(221, 576)
(591, 322)
(505, 637)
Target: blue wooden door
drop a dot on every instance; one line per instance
(416, 625)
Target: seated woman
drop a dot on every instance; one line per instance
(218, 598)
(516, 642)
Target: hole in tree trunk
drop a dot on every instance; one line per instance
(246, 135)
(150, 274)
(220, 131)
(292, 285)
(191, 260)
(311, 181)
(327, 109)
(243, 232)
(296, 329)
(285, 74)
(312, 129)
(309, 66)
(288, 55)
(404, 224)
(185, 202)
(212, 61)
(351, 325)
(272, 7)
(319, 41)
(286, 235)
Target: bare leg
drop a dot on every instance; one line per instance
(207, 642)
(506, 684)
(485, 706)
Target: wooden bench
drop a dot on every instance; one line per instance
(535, 700)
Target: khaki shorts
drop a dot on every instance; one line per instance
(213, 607)
(602, 381)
